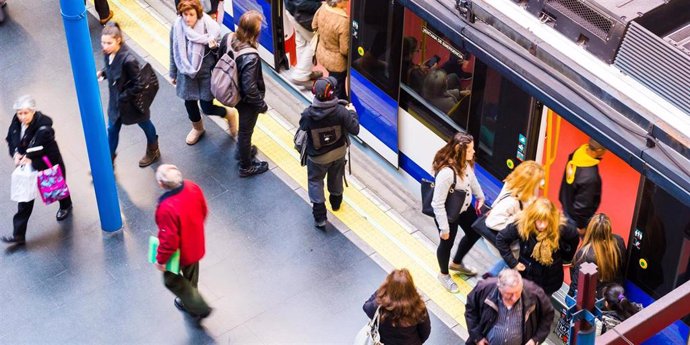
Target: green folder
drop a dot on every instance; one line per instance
(173, 264)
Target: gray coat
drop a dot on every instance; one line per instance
(199, 87)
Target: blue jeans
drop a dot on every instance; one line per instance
(114, 133)
(498, 267)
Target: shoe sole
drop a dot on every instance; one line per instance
(463, 272)
(197, 139)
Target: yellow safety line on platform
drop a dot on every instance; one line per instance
(371, 223)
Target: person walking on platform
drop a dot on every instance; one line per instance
(333, 26)
(580, 193)
(455, 162)
(180, 218)
(103, 9)
(252, 91)
(30, 138)
(546, 241)
(193, 40)
(122, 72)
(603, 248)
(403, 317)
(496, 308)
(328, 123)
(301, 14)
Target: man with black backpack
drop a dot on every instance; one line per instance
(327, 123)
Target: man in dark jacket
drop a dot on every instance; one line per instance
(30, 138)
(328, 123)
(508, 310)
(180, 217)
(301, 14)
(580, 193)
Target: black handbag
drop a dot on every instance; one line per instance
(454, 201)
(479, 225)
(144, 99)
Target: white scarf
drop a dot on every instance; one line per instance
(189, 44)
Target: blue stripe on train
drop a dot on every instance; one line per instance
(239, 7)
(378, 112)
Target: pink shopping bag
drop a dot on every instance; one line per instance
(51, 183)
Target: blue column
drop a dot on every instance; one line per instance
(89, 97)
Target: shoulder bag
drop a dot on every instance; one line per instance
(454, 201)
(369, 334)
(480, 227)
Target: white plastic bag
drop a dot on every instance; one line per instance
(23, 184)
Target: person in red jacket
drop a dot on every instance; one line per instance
(180, 217)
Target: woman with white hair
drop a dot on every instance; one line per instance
(31, 137)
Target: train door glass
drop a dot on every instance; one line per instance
(436, 77)
(504, 120)
(659, 259)
(375, 45)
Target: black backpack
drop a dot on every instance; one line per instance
(142, 101)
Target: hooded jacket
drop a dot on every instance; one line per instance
(328, 124)
(481, 311)
(580, 193)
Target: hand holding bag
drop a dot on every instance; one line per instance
(454, 201)
(51, 183)
(23, 184)
(369, 334)
(479, 225)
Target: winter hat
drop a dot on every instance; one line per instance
(324, 88)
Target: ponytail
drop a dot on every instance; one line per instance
(112, 28)
(615, 298)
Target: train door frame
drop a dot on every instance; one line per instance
(273, 18)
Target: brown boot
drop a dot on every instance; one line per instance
(196, 133)
(152, 155)
(231, 117)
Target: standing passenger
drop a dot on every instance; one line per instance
(122, 72)
(31, 129)
(580, 193)
(333, 26)
(252, 91)
(193, 39)
(404, 318)
(545, 243)
(456, 158)
(301, 15)
(328, 124)
(180, 217)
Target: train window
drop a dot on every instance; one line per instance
(436, 72)
(659, 259)
(376, 26)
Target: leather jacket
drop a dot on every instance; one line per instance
(251, 79)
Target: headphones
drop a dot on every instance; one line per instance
(328, 91)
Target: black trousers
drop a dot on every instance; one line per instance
(247, 121)
(465, 221)
(24, 209)
(206, 106)
(185, 286)
(102, 8)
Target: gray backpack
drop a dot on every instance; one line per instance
(225, 85)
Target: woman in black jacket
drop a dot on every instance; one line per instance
(30, 129)
(122, 71)
(545, 243)
(404, 319)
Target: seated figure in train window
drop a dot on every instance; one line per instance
(436, 92)
(413, 74)
(456, 68)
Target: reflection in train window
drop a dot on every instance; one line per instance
(375, 45)
(435, 71)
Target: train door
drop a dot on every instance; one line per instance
(375, 72)
(271, 39)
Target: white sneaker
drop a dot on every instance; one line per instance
(448, 283)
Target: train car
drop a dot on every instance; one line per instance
(421, 70)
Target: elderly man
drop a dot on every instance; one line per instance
(180, 218)
(508, 310)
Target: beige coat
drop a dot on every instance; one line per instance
(333, 27)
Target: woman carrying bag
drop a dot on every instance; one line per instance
(30, 138)
(454, 166)
(122, 72)
(403, 317)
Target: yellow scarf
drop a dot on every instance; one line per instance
(580, 159)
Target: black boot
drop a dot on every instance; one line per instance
(152, 154)
(335, 200)
(252, 153)
(319, 212)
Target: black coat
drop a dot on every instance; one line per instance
(39, 133)
(481, 311)
(582, 256)
(549, 278)
(391, 335)
(325, 118)
(581, 199)
(123, 83)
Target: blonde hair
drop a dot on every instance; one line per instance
(524, 180)
(541, 209)
(600, 238)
